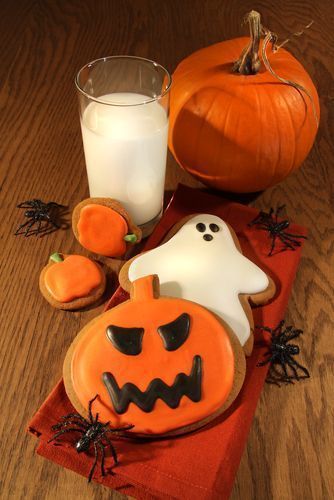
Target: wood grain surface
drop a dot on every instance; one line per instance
(289, 453)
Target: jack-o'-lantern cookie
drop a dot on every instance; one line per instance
(201, 260)
(103, 226)
(163, 364)
(71, 281)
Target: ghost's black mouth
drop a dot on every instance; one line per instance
(184, 385)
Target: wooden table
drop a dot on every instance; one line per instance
(290, 449)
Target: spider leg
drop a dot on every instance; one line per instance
(74, 415)
(255, 221)
(296, 235)
(289, 243)
(264, 328)
(103, 472)
(274, 376)
(64, 431)
(272, 245)
(262, 226)
(295, 363)
(117, 429)
(279, 210)
(287, 378)
(22, 226)
(51, 221)
(25, 204)
(112, 448)
(94, 464)
(287, 361)
(264, 362)
(38, 230)
(279, 326)
(65, 423)
(294, 334)
(54, 204)
(90, 409)
(54, 224)
(28, 228)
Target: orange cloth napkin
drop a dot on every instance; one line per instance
(203, 464)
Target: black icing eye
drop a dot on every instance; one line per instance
(174, 334)
(200, 227)
(126, 340)
(214, 228)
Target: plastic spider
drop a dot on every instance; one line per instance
(268, 221)
(92, 432)
(37, 212)
(281, 352)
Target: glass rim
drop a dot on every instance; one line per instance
(109, 103)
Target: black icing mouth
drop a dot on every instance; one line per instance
(184, 385)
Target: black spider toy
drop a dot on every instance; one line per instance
(92, 432)
(268, 221)
(281, 354)
(38, 212)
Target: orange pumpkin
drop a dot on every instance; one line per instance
(71, 277)
(102, 230)
(164, 365)
(241, 132)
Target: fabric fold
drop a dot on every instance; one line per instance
(202, 464)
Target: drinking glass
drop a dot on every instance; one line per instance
(124, 108)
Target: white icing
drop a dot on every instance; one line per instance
(211, 273)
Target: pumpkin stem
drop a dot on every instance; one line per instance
(56, 257)
(146, 288)
(130, 238)
(249, 61)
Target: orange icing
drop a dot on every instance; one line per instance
(73, 278)
(94, 354)
(102, 230)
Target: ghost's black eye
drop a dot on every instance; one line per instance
(126, 340)
(214, 228)
(200, 227)
(174, 334)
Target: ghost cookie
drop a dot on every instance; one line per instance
(103, 226)
(202, 261)
(71, 281)
(164, 365)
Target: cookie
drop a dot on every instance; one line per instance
(201, 260)
(71, 281)
(102, 226)
(163, 364)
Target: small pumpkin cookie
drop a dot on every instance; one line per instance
(103, 226)
(163, 364)
(71, 281)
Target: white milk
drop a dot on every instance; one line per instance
(125, 150)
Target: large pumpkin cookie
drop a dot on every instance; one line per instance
(163, 364)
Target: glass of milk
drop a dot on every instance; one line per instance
(124, 107)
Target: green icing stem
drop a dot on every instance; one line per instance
(130, 238)
(56, 257)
